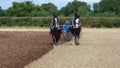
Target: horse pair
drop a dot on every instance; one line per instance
(56, 29)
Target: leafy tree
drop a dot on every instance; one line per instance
(72, 7)
(108, 6)
(49, 9)
(69, 9)
(1, 12)
(83, 11)
(21, 9)
(28, 8)
(96, 7)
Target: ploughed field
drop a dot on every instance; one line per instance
(19, 48)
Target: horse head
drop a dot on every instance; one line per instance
(55, 21)
(76, 21)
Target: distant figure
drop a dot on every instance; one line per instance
(66, 30)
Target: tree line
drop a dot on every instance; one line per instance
(105, 8)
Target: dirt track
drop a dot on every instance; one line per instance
(99, 48)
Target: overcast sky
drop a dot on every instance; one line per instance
(59, 3)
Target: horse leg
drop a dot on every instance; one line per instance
(77, 35)
(73, 40)
(53, 38)
(54, 41)
(59, 36)
(77, 40)
(57, 40)
(79, 32)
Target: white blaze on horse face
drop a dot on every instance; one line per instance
(77, 22)
(56, 22)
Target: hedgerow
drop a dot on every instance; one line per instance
(91, 22)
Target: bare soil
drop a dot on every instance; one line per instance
(18, 49)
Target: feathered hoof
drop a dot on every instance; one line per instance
(77, 44)
(54, 46)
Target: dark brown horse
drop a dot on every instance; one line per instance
(75, 29)
(55, 31)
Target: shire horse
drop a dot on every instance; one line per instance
(75, 28)
(55, 31)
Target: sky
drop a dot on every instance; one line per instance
(5, 4)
